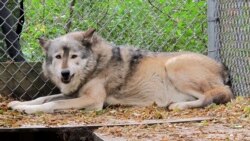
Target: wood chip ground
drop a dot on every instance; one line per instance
(225, 122)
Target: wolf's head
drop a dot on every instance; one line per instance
(67, 58)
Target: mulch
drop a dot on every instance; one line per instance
(217, 122)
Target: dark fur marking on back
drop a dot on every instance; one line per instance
(136, 56)
(116, 54)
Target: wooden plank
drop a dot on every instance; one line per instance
(95, 126)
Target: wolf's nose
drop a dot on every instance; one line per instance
(65, 74)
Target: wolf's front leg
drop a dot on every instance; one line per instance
(83, 102)
(92, 99)
(37, 101)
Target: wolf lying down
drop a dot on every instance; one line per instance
(91, 72)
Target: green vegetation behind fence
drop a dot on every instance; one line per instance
(157, 25)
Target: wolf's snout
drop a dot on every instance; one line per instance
(65, 76)
(65, 73)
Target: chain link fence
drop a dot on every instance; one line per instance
(232, 40)
(157, 25)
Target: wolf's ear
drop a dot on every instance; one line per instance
(44, 43)
(89, 33)
(88, 37)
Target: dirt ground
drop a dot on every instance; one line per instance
(224, 122)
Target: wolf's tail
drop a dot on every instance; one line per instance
(223, 94)
(220, 94)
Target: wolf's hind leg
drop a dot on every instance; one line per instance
(218, 95)
(202, 100)
(38, 101)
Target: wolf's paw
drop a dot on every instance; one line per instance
(28, 109)
(178, 106)
(31, 109)
(12, 104)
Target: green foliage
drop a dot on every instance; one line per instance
(247, 110)
(157, 25)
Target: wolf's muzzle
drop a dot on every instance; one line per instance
(66, 77)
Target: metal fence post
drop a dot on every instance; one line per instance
(213, 48)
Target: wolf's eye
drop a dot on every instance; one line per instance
(73, 56)
(58, 57)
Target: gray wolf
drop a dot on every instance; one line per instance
(91, 72)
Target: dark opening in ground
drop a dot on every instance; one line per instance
(36, 134)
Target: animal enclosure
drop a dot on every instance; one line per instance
(217, 28)
(154, 25)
